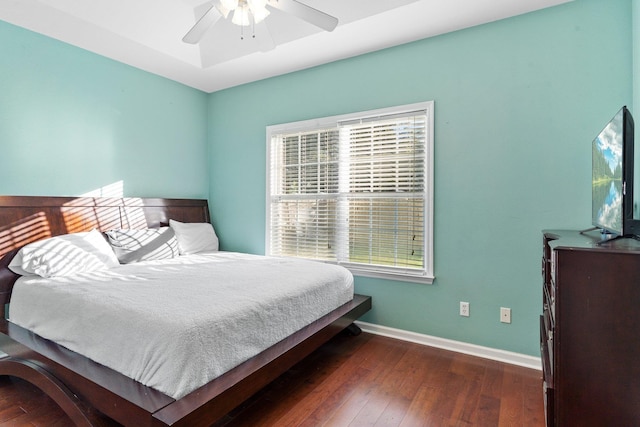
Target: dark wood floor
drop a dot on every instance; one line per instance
(357, 381)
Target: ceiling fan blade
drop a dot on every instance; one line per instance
(196, 32)
(263, 37)
(306, 13)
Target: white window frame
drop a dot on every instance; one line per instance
(425, 275)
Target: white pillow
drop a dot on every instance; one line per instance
(146, 244)
(64, 255)
(194, 237)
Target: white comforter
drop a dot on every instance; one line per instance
(176, 324)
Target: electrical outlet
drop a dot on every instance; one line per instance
(464, 309)
(505, 315)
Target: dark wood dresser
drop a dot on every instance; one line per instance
(590, 329)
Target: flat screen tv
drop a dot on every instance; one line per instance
(612, 177)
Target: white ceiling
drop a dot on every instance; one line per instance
(147, 34)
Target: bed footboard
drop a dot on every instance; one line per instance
(82, 387)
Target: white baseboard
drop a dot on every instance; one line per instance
(458, 346)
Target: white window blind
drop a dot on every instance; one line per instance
(355, 190)
(304, 193)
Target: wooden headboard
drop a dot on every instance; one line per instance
(25, 219)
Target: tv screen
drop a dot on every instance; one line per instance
(607, 184)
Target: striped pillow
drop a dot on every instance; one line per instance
(147, 244)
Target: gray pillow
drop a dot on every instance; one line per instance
(147, 244)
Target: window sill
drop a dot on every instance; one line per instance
(361, 272)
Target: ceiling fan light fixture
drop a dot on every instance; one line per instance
(245, 10)
(241, 16)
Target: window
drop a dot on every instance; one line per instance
(355, 190)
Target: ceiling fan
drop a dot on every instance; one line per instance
(253, 13)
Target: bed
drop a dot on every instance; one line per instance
(85, 389)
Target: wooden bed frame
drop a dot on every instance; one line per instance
(83, 388)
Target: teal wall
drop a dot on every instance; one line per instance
(72, 122)
(517, 104)
(636, 62)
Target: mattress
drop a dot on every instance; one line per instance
(176, 324)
